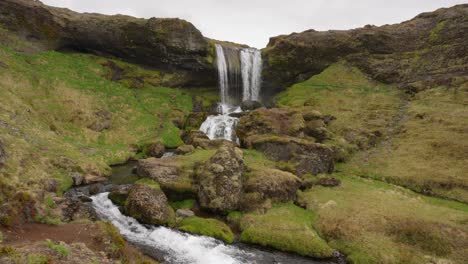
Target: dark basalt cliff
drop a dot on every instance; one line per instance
(427, 51)
(173, 45)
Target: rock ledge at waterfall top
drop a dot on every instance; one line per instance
(427, 51)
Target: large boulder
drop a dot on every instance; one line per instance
(149, 205)
(220, 180)
(429, 50)
(307, 157)
(279, 121)
(165, 43)
(279, 186)
(283, 122)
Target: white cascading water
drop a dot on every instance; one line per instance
(251, 67)
(177, 247)
(223, 126)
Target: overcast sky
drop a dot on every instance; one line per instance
(253, 22)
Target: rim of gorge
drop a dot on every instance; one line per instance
(130, 140)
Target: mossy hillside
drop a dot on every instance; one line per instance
(362, 107)
(430, 151)
(285, 227)
(48, 101)
(207, 227)
(371, 221)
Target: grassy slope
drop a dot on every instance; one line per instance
(48, 101)
(431, 151)
(373, 221)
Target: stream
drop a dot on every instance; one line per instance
(175, 247)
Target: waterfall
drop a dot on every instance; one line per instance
(222, 73)
(239, 75)
(251, 67)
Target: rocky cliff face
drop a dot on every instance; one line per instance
(427, 51)
(173, 45)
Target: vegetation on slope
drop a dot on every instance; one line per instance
(414, 142)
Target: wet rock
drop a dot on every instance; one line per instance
(279, 186)
(185, 149)
(250, 105)
(195, 120)
(200, 140)
(95, 189)
(184, 213)
(156, 150)
(220, 180)
(148, 205)
(85, 199)
(118, 195)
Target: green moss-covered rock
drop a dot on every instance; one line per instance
(220, 180)
(207, 227)
(285, 227)
(149, 205)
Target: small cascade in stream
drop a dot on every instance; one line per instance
(239, 73)
(170, 246)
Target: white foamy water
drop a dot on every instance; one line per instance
(177, 247)
(251, 68)
(221, 126)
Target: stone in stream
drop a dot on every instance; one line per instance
(148, 205)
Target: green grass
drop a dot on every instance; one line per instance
(429, 152)
(434, 36)
(285, 227)
(48, 101)
(207, 227)
(149, 183)
(371, 221)
(184, 204)
(62, 250)
(361, 106)
(37, 259)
